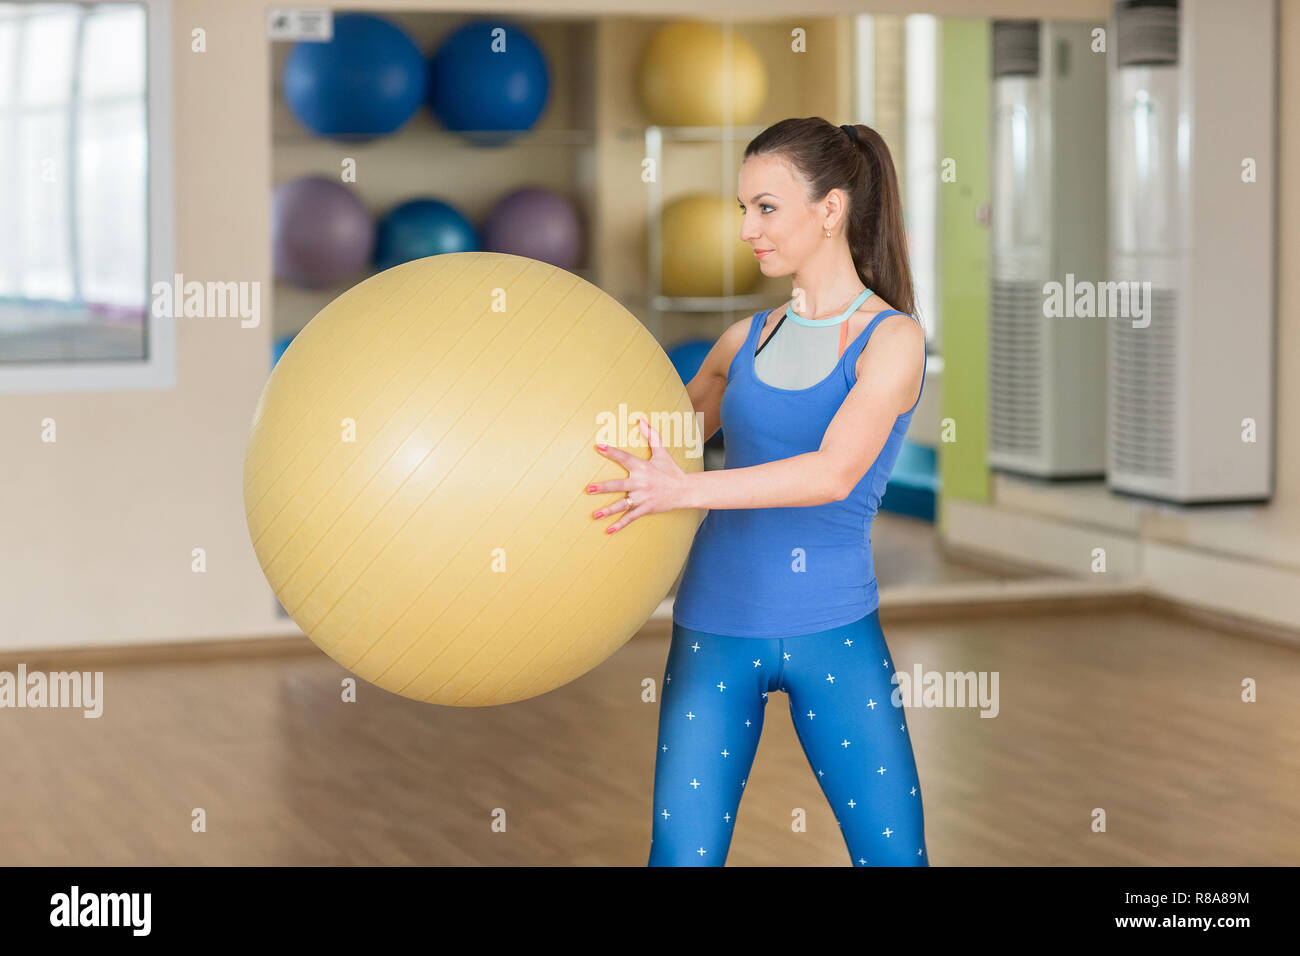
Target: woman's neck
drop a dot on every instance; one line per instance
(824, 290)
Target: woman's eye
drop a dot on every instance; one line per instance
(766, 206)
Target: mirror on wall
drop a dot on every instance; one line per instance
(74, 190)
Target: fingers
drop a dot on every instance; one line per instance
(628, 461)
(651, 434)
(618, 454)
(626, 519)
(621, 484)
(614, 484)
(614, 507)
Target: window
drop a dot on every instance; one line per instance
(916, 147)
(920, 204)
(84, 196)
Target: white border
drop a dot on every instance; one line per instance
(158, 371)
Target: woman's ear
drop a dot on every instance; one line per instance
(835, 206)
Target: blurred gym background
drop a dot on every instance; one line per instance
(1104, 509)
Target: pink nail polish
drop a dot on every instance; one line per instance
(599, 514)
(591, 488)
(609, 531)
(601, 447)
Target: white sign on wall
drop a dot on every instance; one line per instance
(300, 23)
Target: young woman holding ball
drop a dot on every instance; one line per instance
(779, 591)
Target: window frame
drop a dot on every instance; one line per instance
(157, 370)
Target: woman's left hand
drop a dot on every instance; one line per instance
(652, 485)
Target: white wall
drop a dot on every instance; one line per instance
(1243, 560)
(98, 529)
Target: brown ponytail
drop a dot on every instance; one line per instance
(828, 158)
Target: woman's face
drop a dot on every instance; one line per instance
(776, 217)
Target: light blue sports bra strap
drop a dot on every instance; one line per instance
(853, 307)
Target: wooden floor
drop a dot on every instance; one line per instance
(1130, 712)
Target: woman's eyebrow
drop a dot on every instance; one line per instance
(756, 198)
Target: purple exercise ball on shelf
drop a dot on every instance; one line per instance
(320, 232)
(535, 223)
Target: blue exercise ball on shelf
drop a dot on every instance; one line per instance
(489, 80)
(367, 81)
(687, 357)
(280, 344)
(419, 228)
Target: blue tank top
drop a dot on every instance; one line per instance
(782, 572)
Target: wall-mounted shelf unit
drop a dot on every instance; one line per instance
(655, 139)
(424, 159)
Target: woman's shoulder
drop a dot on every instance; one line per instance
(897, 330)
(867, 313)
(728, 346)
(737, 332)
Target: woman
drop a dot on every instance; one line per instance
(779, 590)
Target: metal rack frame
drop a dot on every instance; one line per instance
(655, 138)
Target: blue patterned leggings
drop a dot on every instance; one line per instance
(711, 715)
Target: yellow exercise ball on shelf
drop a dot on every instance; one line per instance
(415, 478)
(683, 81)
(699, 233)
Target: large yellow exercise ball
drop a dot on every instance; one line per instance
(699, 233)
(415, 478)
(685, 79)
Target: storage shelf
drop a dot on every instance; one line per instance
(335, 290)
(692, 134)
(448, 138)
(656, 138)
(710, 303)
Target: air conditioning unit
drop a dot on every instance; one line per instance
(1047, 366)
(1193, 171)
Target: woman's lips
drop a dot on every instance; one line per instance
(760, 253)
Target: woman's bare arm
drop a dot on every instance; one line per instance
(706, 388)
